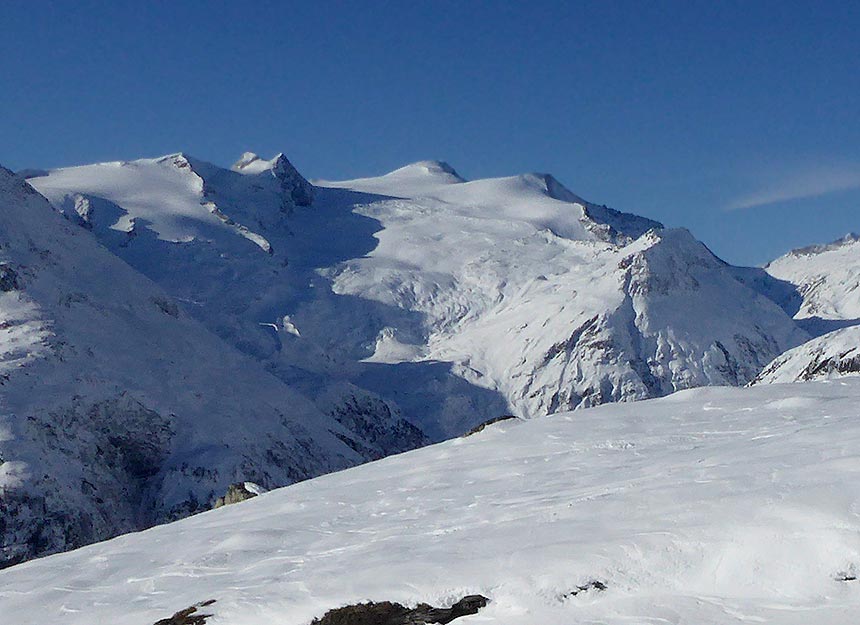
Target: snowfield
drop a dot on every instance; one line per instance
(712, 505)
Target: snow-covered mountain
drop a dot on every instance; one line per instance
(711, 506)
(241, 251)
(118, 411)
(555, 302)
(831, 355)
(827, 279)
(454, 301)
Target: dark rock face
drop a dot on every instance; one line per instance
(122, 443)
(235, 493)
(827, 366)
(387, 613)
(594, 584)
(481, 426)
(8, 278)
(300, 190)
(188, 616)
(372, 420)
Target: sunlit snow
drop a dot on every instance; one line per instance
(710, 506)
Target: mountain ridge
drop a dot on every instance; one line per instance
(444, 261)
(121, 411)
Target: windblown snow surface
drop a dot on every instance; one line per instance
(713, 505)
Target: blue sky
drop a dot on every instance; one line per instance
(737, 120)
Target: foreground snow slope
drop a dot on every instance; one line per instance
(712, 505)
(455, 301)
(117, 410)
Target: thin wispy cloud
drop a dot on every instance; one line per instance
(808, 183)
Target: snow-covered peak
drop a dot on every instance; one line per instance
(183, 199)
(438, 169)
(536, 199)
(554, 301)
(509, 293)
(548, 184)
(251, 163)
(827, 278)
(606, 223)
(177, 159)
(811, 250)
(832, 355)
(279, 166)
(674, 241)
(419, 179)
(118, 409)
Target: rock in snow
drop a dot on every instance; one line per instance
(191, 615)
(241, 491)
(387, 613)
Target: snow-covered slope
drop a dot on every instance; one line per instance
(829, 356)
(222, 243)
(170, 196)
(117, 410)
(454, 301)
(827, 278)
(711, 506)
(552, 301)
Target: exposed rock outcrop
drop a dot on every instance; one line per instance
(241, 491)
(189, 616)
(832, 355)
(482, 426)
(387, 613)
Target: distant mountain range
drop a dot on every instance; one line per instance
(170, 327)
